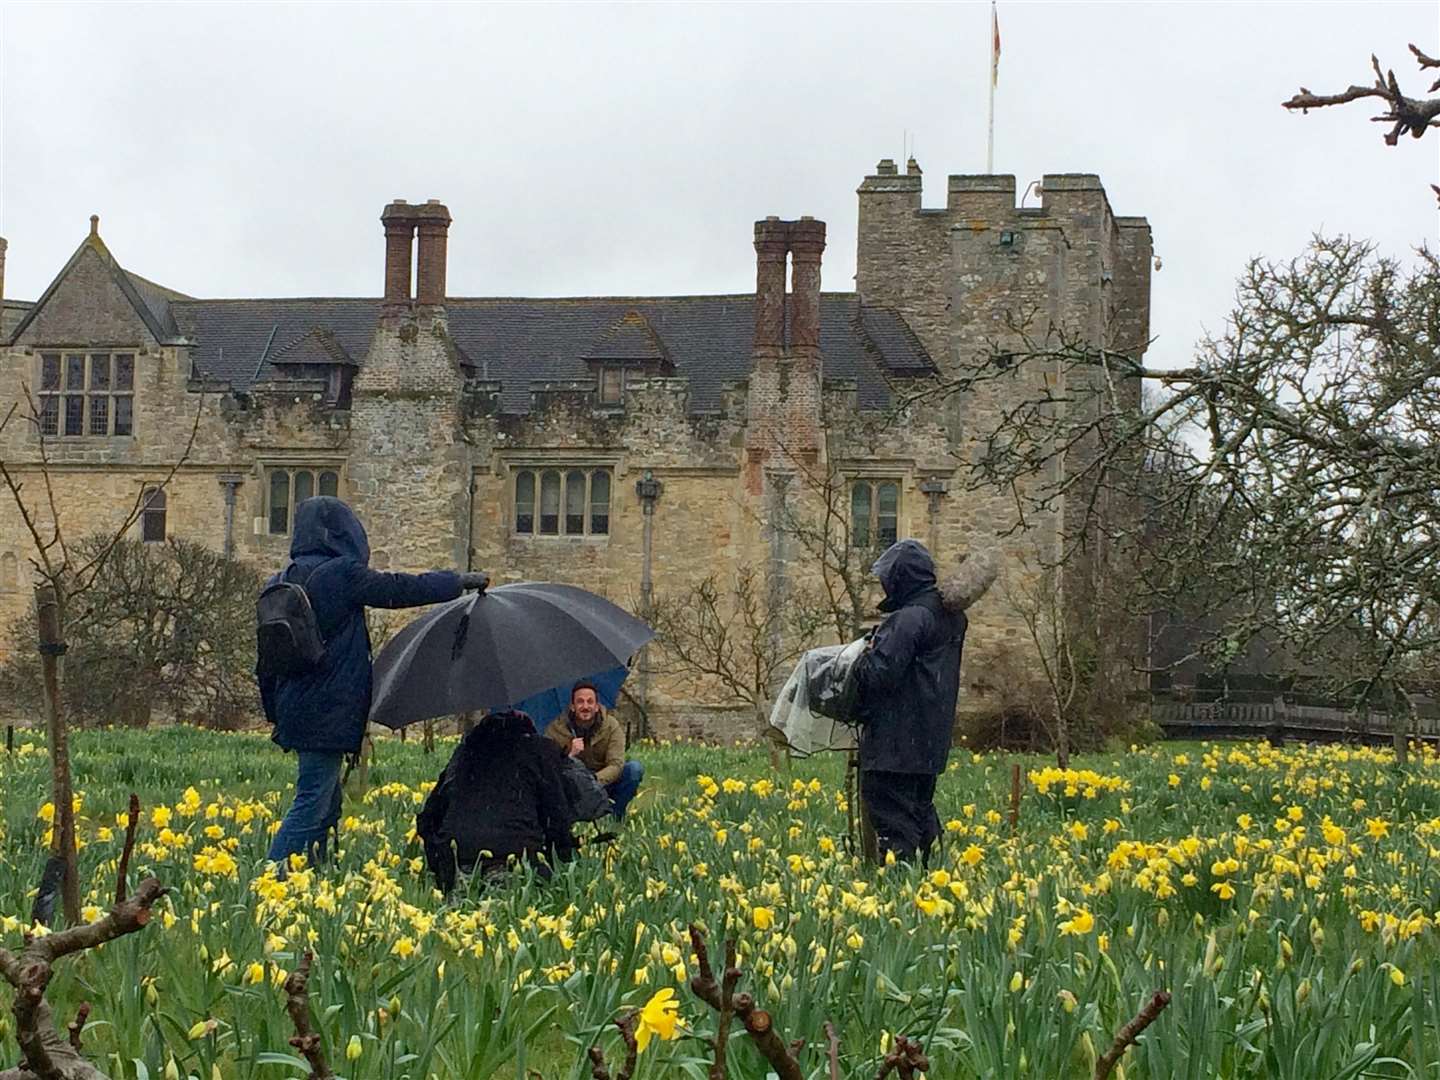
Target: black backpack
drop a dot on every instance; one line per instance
(589, 801)
(287, 634)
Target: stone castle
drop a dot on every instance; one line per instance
(621, 443)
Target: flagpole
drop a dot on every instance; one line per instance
(990, 139)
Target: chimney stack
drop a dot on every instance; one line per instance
(771, 243)
(3, 245)
(399, 221)
(433, 221)
(804, 242)
(807, 243)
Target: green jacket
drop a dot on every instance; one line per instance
(604, 752)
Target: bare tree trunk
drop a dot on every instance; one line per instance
(50, 624)
(429, 739)
(1399, 736)
(1062, 735)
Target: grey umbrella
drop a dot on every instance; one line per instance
(488, 650)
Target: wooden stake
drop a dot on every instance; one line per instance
(49, 624)
(1014, 797)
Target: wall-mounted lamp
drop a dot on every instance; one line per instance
(649, 489)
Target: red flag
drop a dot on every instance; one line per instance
(994, 45)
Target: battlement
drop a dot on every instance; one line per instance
(978, 200)
(998, 249)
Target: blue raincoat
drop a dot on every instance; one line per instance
(325, 709)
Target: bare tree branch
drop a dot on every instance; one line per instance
(49, 1055)
(1130, 1032)
(297, 1004)
(1406, 114)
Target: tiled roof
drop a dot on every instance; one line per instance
(707, 339)
(156, 299)
(319, 346)
(629, 339)
(236, 340)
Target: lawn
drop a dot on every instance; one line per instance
(1286, 898)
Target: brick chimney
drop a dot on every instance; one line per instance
(783, 400)
(399, 221)
(433, 221)
(807, 243)
(771, 242)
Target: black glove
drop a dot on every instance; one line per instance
(476, 580)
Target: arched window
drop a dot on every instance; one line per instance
(525, 502)
(600, 502)
(574, 503)
(9, 572)
(330, 483)
(304, 487)
(549, 503)
(860, 507)
(152, 516)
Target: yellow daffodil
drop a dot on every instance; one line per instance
(658, 1018)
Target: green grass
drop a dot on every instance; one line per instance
(1016, 956)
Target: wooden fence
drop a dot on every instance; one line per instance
(1281, 720)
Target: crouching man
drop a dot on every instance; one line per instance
(585, 732)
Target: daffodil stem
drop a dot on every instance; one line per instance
(1130, 1032)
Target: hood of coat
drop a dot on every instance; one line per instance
(905, 570)
(326, 526)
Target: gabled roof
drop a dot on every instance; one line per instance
(706, 339)
(150, 301)
(629, 339)
(318, 346)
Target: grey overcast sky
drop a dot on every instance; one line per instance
(247, 149)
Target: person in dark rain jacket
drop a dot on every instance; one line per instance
(909, 680)
(500, 796)
(321, 714)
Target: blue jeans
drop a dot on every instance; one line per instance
(315, 811)
(624, 789)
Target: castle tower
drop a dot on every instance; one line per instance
(974, 280)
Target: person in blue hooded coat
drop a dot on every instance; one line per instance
(909, 681)
(321, 715)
